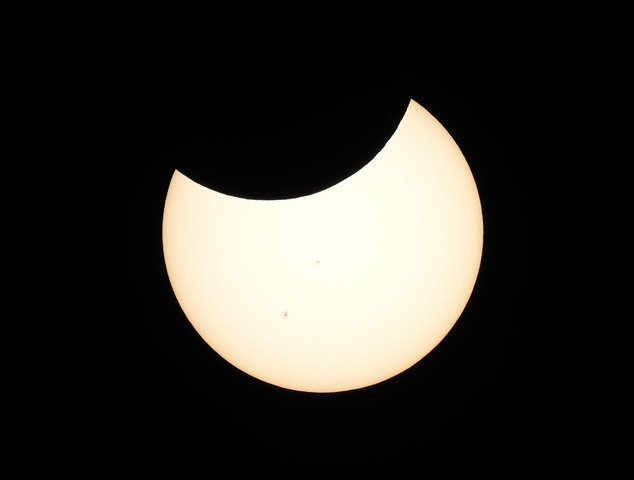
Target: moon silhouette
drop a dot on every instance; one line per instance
(340, 289)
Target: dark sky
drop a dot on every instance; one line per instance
(268, 103)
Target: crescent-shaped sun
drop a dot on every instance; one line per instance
(337, 290)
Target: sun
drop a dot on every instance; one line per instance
(337, 290)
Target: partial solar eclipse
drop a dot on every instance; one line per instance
(337, 290)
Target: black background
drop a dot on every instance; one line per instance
(267, 102)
